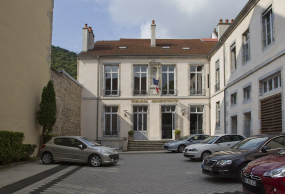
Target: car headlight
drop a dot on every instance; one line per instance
(192, 149)
(104, 151)
(224, 162)
(278, 172)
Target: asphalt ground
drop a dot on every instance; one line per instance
(156, 172)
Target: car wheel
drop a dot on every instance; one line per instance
(47, 158)
(181, 148)
(95, 160)
(205, 154)
(241, 167)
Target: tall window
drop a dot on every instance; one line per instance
(234, 99)
(246, 45)
(196, 75)
(111, 121)
(246, 93)
(218, 114)
(140, 118)
(217, 86)
(196, 119)
(271, 83)
(168, 82)
(233, 57)
(267, 26)
(111, 80)
(140, 80)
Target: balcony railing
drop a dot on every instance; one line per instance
(169, 92)
(111, 92)
(217, 87)
(194, 92)
(140, 93)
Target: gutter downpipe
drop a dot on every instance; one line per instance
(225, 108)
(97, 119)
(210, 94)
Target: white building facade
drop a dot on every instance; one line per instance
(120, 92)
(248, 64)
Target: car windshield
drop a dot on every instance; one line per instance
(209, 140)
(250, 143)
(89, 142)
(185, 137)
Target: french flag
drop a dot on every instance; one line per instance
(155, 82)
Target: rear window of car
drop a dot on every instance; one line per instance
(250, 143)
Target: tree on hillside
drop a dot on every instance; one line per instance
(47, 111)
(64, 59)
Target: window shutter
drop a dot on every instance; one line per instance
(273, 31)
(263, 33)
(249, 53)
(243, 53)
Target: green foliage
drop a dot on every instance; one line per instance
(177, 132)
(64, 59)
(48, 137)
(12, 149)
(131, 133)
(47, 112)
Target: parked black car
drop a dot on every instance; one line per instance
(229, 163)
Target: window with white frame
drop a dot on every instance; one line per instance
(111, 80)
(140, 79)
(246, 45)
(271, 83)
(168, 80)
(111, 121)
(218, 109)
(140, 118)
(247, 93)
(217, 85)
(233, 57)
(233, 99)
(196, 80)
(267, 26)
(196, 119)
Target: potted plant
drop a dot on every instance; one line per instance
(131, 135)
(177, 134)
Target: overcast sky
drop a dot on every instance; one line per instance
(115, 19)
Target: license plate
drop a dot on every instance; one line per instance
(206, 167)
(250, 182)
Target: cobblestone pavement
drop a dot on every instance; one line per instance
(134, 173)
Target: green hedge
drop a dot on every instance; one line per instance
(12, 149)
(48, 137)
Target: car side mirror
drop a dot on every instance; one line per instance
(218, 141)
(190, 140)
(265, 148)
(81, 147)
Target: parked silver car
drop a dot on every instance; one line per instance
(181, 143)
(77, 149)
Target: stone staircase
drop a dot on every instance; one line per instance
(144, 145)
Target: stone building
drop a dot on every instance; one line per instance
(68, 103)
(152, 86)
(25, 51)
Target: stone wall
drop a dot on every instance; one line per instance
(68, 104)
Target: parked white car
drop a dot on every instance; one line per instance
(211, 145)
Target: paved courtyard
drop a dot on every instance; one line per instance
(134, 173)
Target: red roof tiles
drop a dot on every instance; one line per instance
(141, 47)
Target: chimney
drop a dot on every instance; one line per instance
(87, 38)
(152, 42)
(222, 27)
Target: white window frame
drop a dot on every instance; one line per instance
(196, 112)
(270, 22)
(246, 42)
(247, 93)
(111, 115)
(111, 89)
(167, 72)
(140, 84)
(234, 99)
(218, 114)
(136, 114)
(196, 79)
(233, 55)
(271, 81)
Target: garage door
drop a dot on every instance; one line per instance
(271, 114)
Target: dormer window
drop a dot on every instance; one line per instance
(185, 48)
(166, 47)
(122, 47)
